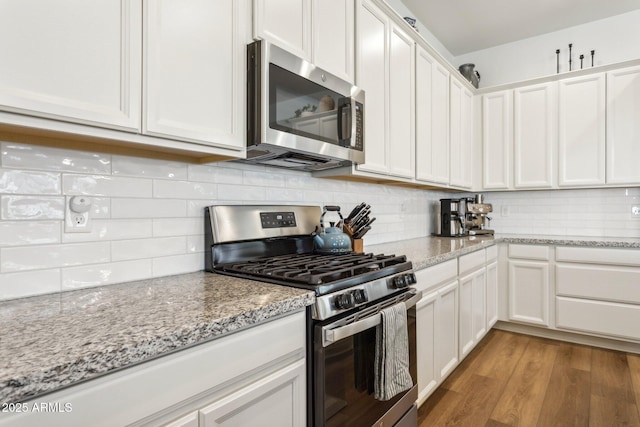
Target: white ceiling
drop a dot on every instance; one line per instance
(464, 26)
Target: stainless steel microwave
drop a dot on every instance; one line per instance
(298, 115)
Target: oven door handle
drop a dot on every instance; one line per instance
(330, 336)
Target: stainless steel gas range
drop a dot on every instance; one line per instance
(275, 244)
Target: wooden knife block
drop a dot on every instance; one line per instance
(357, 245)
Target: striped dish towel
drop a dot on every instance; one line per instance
(392, 353)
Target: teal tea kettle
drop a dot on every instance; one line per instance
(332, 240)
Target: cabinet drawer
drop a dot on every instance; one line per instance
(604, 318)
(492, 253)
(471, 261)
(599, 282)
(529, 252)
(437, 274)
(599, 255)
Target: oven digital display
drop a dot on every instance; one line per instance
(277, 219)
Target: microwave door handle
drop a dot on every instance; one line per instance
(344, 103)
(330, 336)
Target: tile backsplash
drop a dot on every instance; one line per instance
(147, 214)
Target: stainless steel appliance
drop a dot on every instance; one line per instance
(298, 115)
(275, 244)
(451, 218)
(477, 219)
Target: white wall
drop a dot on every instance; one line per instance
(614, 39)
(148, 215)
(589, 212)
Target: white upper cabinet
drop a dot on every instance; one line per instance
(535, 135)
(497, 140)
(286, 23)
(194, 70)
(371, 75)
(333, 36)
(581, 131)
(623, 126)
(73, 61)
(386, 61)
(320, 31)
(401, 144)
(461, 135)
(432, 119)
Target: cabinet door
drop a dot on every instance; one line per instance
(371, 75)
(333, 38)
(276, 400)
(440, 130)
(426, 320)
(492, 294)
(497, 140)
(461, 125)
(472, 310)
(529, 292)
(83, 63)
(623, 126)
(425, 65)
(401, 104)
(194, 70)
(581, 140)
(535, 123)
(286, 23)
(447, 330)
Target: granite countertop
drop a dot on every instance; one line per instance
(51, 341)
(427, 251)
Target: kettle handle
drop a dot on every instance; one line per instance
(330, 208)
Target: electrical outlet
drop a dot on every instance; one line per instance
(77, 218)
(505, 211)
(635, 212)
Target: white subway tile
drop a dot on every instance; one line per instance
(18, 233)
(184, 190)
(195, 243)
(148, 168)
(180, 264)
(269, 178)
(195, 208)
(24, 284)
(52, 256)
(105, 274)
(241, 192)
(278, 195)
(32, 207)
(29, 182)
(178, 227)
(116, 229)
(147, 248)
(99, 185)
(37, 157)
(215, 174)
(148, 208)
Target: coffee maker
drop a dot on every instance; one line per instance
(452, 218)
(462, 217)
(477, 220)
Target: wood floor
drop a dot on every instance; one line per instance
(518, 380)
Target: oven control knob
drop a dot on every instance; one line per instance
(404, 280)
(344, 301)
(359, 296)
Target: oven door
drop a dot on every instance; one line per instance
(343, 378)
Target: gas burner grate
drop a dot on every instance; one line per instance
(313, 269)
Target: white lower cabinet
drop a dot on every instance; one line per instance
(598, 291)
(277, 400)
(492, 293)
(253, 377)
(472, 300)
(529, 284)
(437, 326)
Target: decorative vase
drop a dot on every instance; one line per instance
(470, 74)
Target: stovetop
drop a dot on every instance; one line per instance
(321, 273)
